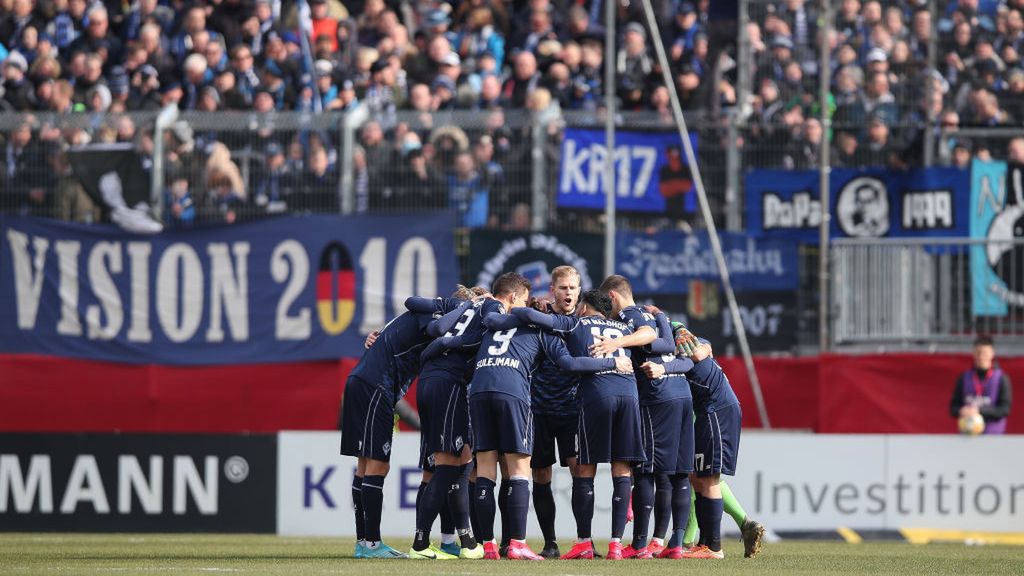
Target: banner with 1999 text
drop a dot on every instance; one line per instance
(288, 289)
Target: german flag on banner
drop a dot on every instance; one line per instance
(335, 289)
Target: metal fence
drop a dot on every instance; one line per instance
(927, 293)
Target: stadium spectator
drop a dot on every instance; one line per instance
(633, 66)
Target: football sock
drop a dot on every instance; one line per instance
(447, 523)
(662, 505)
(677, 538)
(503, 508)
(680, 506)
(620, 504)
(714, 523)
(458, 504)
(544, 506)
(518, 506)
(357, 505)
(583, 505)
(691, 522)
(483, 498)
(702, 517)
(643, 502)
(373, 505)
(432, 500)
(732, 505)
(471, 503)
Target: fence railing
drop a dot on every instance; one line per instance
(927, 292)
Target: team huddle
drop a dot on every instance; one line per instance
(504, 385)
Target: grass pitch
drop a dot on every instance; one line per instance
(249, 554)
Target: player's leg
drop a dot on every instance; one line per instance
(642, 497)
(543, 498)
(503, 492)
(485, 441)
(516, 420)
(681, 506)
(377, 452)
(353, 422)
(621, 484)
(751, 530)
(626, 451)
(717, 441)
(458, 504)
(583, 511)
(690, 536)
(662, 512)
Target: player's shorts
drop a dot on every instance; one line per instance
(609, 430)
(444, 417)
(717, 441)
(550, 430)
(367, 420)
(667, 437)
(501, 422)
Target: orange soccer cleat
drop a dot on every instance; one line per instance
(704, 553)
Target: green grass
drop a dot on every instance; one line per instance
(248, 554)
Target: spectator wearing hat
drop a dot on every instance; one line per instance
(878, 98)
(273, 181)
(633, 66)
(579, 26)
(781, 54)
(97, 38)
(144, 93)
(587, 81)
(524, 79)
(685, 29)
(347, 96)
(181, 212)
(119, 85)
(380, 93)
(18, 93)
(466, 192)
(879, 150)
(323, 72)
(171, 93)
(443, 91)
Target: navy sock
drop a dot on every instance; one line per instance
(458, 503)
(503, 509)
(677, 538)
(432, 500)
(714, 508)
(620, 504)
(373, 506)
(471, 502)
(544, 506)
(702, 516)
(518, 507)
(643, 502)
(680, 507)
(483, 497)
(662, 505)
(357, 505)
(447, 522)
(583, 505)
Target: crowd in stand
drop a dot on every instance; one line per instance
(423, 58)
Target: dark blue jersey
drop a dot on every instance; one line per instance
(507, 359)
(670, 386)
(710, 387)
(394, 359)
(553, 390)
(463, 330)
(579, 335)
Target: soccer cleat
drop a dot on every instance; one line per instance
(452, 548)
(503, 550)
(474, 553)
(519, 550)
(638, 554)
(753, 536)
(430, 553)
(382, 551)
(674, 553)
(360, 550)
(614, 551)
(655, 548)
(491, 551)
(551, 551)
(580, 551)
(704, 553)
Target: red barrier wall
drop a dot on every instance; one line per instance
(891, 393)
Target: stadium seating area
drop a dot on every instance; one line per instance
(111, 60)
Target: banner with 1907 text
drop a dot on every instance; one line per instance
(278, 290)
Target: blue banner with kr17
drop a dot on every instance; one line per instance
(871, 203)
(651, 172)
(287, 289)
(666, 262)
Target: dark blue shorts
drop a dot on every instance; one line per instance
(444, 417)
(668, 437)
(717, 441)
(550, 430)
(367, 420)
(609, 430)
(501, 422)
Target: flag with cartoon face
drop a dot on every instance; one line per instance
(997, 216)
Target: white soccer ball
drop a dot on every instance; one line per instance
(971, 425)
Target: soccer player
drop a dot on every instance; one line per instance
(666, 412)
(555, 416)
(499, 405)
(374, 386)
(609, 417)
(444, 416)
(716, 447)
